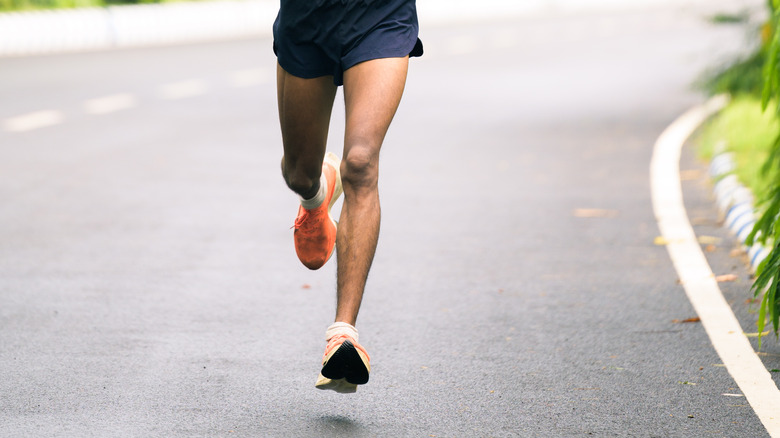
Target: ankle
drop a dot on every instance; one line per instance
(317, 194)
(341, 328)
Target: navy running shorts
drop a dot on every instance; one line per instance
(314, 38)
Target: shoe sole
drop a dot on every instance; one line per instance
(341, 386)
(334, 161)
(346, 363)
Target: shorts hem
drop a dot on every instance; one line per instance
(302, 73)
(351, 61)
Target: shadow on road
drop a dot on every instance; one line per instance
(340, 425)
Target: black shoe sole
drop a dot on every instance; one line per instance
(346, 364)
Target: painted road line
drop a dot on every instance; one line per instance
(695, 274)
(183, 89)
(34, 120)
(110, 104)
(249, 77)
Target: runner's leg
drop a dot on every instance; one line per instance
(305, 106)
(372, 93)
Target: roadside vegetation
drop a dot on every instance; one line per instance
(750, 128)
(32, 5)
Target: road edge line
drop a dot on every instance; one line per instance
(695, 274)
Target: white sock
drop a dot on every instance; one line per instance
(319, 198)
(341, 328)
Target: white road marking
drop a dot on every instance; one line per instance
(696, 276)
(183, 89)
(249, 77)
(110, 104)
(34, 120)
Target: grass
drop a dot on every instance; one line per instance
(749, 134)
(33, 5)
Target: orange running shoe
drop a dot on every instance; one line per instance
(315, 229)
(344, 365)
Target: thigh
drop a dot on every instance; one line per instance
(305, 106)
(372, 93)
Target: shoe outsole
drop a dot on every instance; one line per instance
(341, 386)
(334, 161)
(346, 363)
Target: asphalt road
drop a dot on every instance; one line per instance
(149, 287)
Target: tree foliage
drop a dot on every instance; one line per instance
(24, 5)
(767, 228)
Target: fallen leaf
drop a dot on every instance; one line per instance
(774, 370)
(690, 416)
(755, 335)
(690, 174)
(595, 213)
(702, 221)
(736, 252)
(660, 240)
(725, 278)
(708, 240)
(686, 383)
(694, 319)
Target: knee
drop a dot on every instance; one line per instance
(360, 168)
(298, 178)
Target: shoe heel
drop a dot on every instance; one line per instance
(334, 161)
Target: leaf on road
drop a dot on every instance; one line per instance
(694, 319)
(736, 252)
(661, 241)
(690, 174)
(686, 383)
(755, 335)
(709, 240)
(595, 212)
(725, 278)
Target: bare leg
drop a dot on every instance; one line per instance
(372, 93)
(304, 115)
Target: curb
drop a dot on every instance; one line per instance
(736, 204)
(694, 272)
(63, 31)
